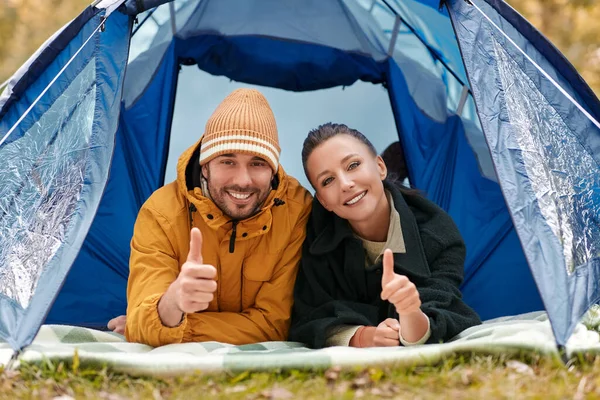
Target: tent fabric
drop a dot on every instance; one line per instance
(442, 164)
(55, 164)
(138, 168)
(546, 154)
(483, 181)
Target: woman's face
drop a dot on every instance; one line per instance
(347, 177)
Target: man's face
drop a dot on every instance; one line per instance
(238, 183)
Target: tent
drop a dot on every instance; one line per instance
(497, 128)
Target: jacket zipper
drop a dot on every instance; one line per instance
(232, 238)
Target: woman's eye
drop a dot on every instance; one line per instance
(353, 165)
(327, 181)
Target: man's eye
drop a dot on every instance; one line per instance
(353, 165)
(259, 164)
(227, 162)
(326, 181)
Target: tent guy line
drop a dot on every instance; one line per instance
(16, 124)
(556, 84)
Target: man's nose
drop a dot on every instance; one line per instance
(242, 177)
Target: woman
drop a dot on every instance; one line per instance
(381, 265)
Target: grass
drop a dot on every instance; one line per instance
(455, 378)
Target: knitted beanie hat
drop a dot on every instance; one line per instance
(242, 123)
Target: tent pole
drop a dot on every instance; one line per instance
(463, 100)
(13, 359)
(172, 15)
(395, 31)
(372, 6)
(562, 352)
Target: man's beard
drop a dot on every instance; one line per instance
(234, 211)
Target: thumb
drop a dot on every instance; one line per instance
(388, 267)
(195, 254)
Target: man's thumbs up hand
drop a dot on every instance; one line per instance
(195, 285)
(398, 289)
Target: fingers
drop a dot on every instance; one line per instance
(195, 253)
(196, 281)
(196, 287)
(199, 271)
(388, 267)
(386, 335)
(189, 306)
(200, 298)
(191, 300)
(381, 342)
(408, 306)
(192, 286)
(407, 291)
(399, 282)
(117, 324)
(112, 324)
(406, 300)
(393, 324)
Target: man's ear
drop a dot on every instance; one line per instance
(381, 167)
(204, 171)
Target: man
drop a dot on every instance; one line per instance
(214, 255)
(394, 159)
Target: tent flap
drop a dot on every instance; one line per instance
(546, 153)
(55, 166)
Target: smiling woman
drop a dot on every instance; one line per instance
(347, 179)
(381, 265)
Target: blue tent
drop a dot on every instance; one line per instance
(497, 128)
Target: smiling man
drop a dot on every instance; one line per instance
(214, 255)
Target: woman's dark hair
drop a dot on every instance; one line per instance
(325, 132)
(393, 157)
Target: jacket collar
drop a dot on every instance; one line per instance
(332, 230)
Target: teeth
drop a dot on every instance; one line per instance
(357, 198)
(241, 196)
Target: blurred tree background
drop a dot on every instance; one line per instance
(572, 25)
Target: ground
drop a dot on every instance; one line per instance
(456, 378)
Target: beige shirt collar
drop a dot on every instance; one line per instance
(395, 238)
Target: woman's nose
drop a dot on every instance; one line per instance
(347, 184)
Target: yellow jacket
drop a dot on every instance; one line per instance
(255, 282)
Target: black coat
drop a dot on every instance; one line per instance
(334, 287)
